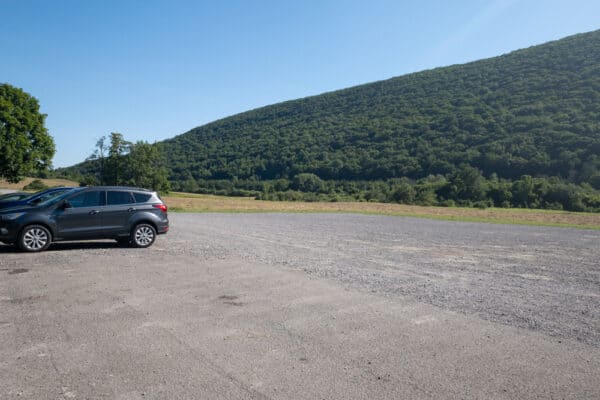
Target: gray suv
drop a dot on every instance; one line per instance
(132, 216)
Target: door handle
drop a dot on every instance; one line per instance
(94, 212)
(131, 209)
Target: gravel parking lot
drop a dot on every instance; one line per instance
(306, 306)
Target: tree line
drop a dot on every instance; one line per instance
(118, 162)
(467, 188)
(26, 148)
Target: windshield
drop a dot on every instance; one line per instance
(50, 195)
(13, 196)
(56, 197)
(36, 194)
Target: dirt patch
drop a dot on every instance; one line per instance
(234, 303)
(228, 297)
(230, 300)
(18, 271)
(24, 300)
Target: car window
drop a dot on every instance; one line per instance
(141, 197)
(87, 199)
(39, 192)
(48, 196)
(60, 197)
(115, 198)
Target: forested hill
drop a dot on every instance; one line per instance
(533, 112)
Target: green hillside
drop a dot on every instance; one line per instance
(501, 131)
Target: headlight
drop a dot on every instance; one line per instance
(11, 216)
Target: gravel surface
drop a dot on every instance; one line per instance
(306, 306)
(540, 278)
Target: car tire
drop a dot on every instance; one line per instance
(143, 235)
(34, 238)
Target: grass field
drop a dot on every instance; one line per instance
(189, 202)
(208, 203)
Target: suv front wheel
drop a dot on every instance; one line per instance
(34, 238)
(143, 235)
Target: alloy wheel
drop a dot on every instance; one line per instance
(144, 236)
(35, 239)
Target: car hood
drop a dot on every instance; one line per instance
(16, 209)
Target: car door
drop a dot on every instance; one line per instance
(115, 215)
(82, 218)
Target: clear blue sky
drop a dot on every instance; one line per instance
(155, 69)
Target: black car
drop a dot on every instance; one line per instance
(14, 196)
(132, 216)
(34, 198)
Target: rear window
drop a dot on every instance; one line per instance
(115, 198)
(141, 197)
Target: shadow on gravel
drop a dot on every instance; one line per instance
(66, 246)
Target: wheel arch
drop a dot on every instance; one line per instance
(45, 225)
(143, 221)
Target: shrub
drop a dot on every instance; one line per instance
(88, 180)
(404, 193)
(306, 182)
(448, 203)
(35, 184)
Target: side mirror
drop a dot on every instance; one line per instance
(65, 205)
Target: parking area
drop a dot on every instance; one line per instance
(306, 306)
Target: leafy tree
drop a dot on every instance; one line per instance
(595, 181)
(404, 193)
(468, 184)
(89, 180)
(523, 192)
(116, 161)
(25, 145)
(114, 171)
(145, 166)
(99, 155)
(307, 183)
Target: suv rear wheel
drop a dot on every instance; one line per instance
(143, 235)
(34, 238)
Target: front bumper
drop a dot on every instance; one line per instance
(8, 231)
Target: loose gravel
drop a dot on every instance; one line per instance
(540, 278)
(306, 306)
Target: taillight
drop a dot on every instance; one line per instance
(161, 207)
